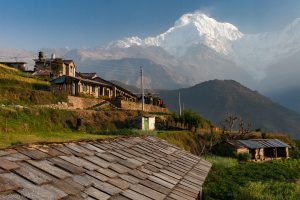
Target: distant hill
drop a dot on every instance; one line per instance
(215, 99)
(131, 88)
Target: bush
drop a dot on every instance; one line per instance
(230, 182)
(295, 153)
(268, 191)
(244, 157)
(223, 150)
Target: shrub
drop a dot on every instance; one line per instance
(274, 178)
(223, 150)
(244, 157)
(268, 191)
(295, 153)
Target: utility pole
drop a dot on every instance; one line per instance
(142, 87)
(179, 104)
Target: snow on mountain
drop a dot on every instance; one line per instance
(251, 52)
(190, 29)
(256, 52)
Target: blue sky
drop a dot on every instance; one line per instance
(36, 24)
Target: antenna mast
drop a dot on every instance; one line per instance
(142, 88)
(179, 103)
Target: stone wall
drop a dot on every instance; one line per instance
(127, 105)
(76, 103)
(83, 103)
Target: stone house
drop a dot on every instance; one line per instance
(69, 81)
(83, 84)
(54, 67)
(260, 149)
(77, 86)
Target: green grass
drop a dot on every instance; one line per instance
(183, 138)
(30, 125)
(230, 179)
(9, 139)
(222, 162)
(17, 88)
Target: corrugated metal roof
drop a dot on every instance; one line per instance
(250, 144)
(271, 143)
(59, 80)
(258, 143)
(125, 168)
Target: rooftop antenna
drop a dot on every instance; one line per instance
(179, 104)
(52, 56)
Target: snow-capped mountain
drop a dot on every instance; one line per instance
(190, 29)
(256, 52)
(250, 52)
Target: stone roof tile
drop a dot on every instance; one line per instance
(98, 161)
(15, 157)
(11, 196)
(67, 166)
(79, 162)
(134, 195)
(33, 174)
(119, 168)
(97, 194)
(147, 192)
(7, 152)
(80, 149)
(92, 147)
(129, 178)
(8, 165)
(33, 153)
(123, 185)
(7, 185)
(47, 167)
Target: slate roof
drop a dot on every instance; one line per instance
(125, 168)
(42, 72)
(258, 143)
(88, 75)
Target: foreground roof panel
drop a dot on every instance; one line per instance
(123, 168)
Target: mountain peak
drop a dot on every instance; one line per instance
(202, 22)
(190, 29)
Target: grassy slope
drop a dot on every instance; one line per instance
(30, 125)
(17, 88)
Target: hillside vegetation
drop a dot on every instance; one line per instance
(274, 180)
(17, 88)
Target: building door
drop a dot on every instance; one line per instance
(146, 123)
